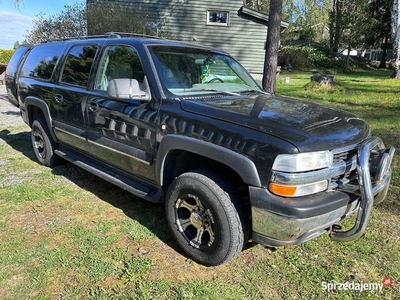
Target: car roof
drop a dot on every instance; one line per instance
(129, 37)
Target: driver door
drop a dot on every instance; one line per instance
(122, 132)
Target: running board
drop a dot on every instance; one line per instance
(130, 185)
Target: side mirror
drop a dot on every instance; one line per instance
(126, 88)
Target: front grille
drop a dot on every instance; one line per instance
(348, 181)
(342, 156)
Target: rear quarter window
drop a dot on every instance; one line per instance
(41, 61)
(13, 64)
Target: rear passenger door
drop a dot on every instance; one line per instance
(122, 132)
(71, 92)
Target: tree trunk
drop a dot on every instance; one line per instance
(396, 37)
(338, 26)
(272, 46)
(332, 19)
(348, 55)
(382, 63)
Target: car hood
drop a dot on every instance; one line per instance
(308, 126)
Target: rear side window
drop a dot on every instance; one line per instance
(12, 66)
(41, 61)
(78, 65)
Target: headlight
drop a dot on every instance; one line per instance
(297, 167)
(303, 162)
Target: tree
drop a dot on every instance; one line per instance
(256, 4)
(71, 21)
(335, 25)
(272, 46)
(355, 25)
(130, 19)
(379, 35)
(288, 7)
(308, 20)
(396, 37)
(17, 3)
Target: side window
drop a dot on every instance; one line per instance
(41, 61)
(14, 61)
(78, 65)
(119, 61)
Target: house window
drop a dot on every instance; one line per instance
(215, 17)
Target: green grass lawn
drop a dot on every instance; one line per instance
(65, 234)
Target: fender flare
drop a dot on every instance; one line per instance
(242, 165)
(34, 101)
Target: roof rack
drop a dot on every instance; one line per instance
(130, 34)
(83, 37)
(106, 35)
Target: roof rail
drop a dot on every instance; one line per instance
(106, 35)
(83, 37)
(131, 34)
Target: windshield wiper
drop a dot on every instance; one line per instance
(214, 90)
(255, 91)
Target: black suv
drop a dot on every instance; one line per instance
(187, 125)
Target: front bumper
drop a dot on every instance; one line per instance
(279, 221)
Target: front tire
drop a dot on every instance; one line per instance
(205, 216)
(43, 144)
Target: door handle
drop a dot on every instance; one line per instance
(58, 98)
(93, 106)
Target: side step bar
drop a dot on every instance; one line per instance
(130, 185)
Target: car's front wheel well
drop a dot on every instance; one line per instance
(179, 162)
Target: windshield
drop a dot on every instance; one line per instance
(189, 71)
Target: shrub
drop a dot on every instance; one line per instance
(5, 55)
(307, 56)
(323, 88)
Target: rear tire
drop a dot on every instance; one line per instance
(43, 144)
(205, 217)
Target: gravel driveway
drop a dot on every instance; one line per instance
(9, 114)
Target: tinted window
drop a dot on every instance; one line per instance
(78, 64)
(119, 62)
(14, 61)
(41, 61)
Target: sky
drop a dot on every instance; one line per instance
(15, 23)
